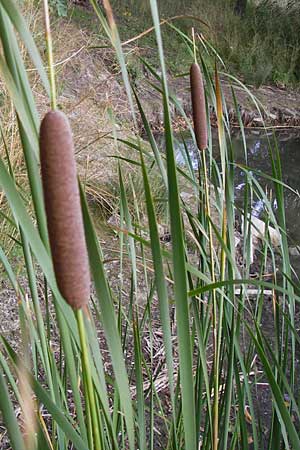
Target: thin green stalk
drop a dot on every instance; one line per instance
(179, 260)
(37, 310)
(218, 330)
(89, 425)
(215, 310)
(194, 45)
(139, 383)
(90, 394)
(219, 336)
(50, 55)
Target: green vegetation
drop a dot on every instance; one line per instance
(262, 46)
(178, 354)
(60, 7)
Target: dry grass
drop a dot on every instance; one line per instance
(90, 95)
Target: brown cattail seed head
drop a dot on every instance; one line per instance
(198, 104)
(62, 202)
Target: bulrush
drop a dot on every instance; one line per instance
(62, 202)
(198, 104)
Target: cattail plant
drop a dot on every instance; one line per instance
(198, 105)
(66, 235)
(62, 202)
(200, 130)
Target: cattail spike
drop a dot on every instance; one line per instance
(62, 203)
(198, 105)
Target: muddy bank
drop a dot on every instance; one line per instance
(91, 81)
(279, 107)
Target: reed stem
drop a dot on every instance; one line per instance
(50, 56)
(214, 308)
(90, 394)
(194, 45)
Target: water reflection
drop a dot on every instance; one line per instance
(258, 158)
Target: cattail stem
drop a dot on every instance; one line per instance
(90, 392)
(214, 309)
(200, 129)
(50, 54)
(88, 418)
(222, 145)
(194, 45)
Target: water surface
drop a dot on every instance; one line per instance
(257, 157)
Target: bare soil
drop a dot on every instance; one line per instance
(279, 107)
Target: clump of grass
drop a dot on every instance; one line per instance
(270, 54)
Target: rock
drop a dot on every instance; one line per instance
(273, 116)
(258, 231)
(237, 240)
(294, 251)
(258, 120)
(114, 220)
